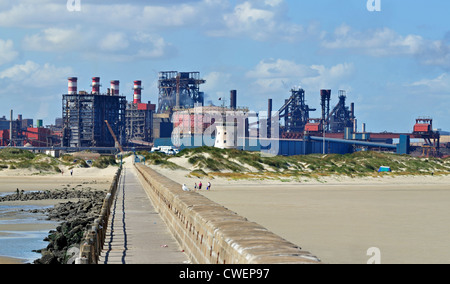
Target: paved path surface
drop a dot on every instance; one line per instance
(136, 233)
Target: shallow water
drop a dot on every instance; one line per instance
(21, 232)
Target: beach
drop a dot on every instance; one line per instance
(339, 219)
(27, 227)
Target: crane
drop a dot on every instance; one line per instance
(114, 136)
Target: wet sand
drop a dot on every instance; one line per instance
(9, 260)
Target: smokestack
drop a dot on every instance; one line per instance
(269, 118)
(137, 92)
(95, 85)
(233, 98)
(115, 88)
(11, 129)
(352, 110)
(72, 85)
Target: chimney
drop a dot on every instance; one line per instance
(137, 92)
(115, 88)
(95, 85)
(72, 85)
(233, 98)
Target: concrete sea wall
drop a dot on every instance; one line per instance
(210, 233)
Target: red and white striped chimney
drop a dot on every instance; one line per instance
(95, 85)
(115, 88)
(137, 92)
(72, 84)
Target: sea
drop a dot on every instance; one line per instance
(21, 231)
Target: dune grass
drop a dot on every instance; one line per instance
(236, 164)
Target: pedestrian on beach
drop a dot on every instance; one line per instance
(200, 186)
(195, 186)
(71, 172)
(209, 186)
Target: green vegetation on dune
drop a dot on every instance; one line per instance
(236, 164)
(15, 158)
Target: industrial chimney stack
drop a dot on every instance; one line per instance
(95, 85)
(137, 92)
(72, 85)
(115, 88)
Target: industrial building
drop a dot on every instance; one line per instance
(179, 90)
(139, 119)
(181, 110)
(85, 116)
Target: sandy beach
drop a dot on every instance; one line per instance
(11, 180)
(340, 218)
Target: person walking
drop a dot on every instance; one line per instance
(200, 186)
(195, 186)
(209, 186)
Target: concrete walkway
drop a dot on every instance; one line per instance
(136, 233)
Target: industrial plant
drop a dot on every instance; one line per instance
(107, 121)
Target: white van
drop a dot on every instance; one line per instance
(168, 150)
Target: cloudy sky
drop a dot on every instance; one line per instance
(394, 63)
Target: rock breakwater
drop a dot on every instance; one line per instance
(76, 217)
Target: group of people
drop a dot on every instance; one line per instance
(197, 187)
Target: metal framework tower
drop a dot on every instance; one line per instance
(341, 117)
(179, 90)
(295, 112)
(325, 97)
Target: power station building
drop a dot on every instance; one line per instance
(85, 115)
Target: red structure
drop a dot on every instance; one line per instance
(38, 137)
(4, 137)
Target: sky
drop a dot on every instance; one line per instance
(392, 62)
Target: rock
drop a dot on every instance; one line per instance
(76, 217)
(47, 258)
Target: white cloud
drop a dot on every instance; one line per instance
(379, 42)
(258, 21)
(56, 39)
(278, 76)
(438, 84)
(385, 42)
(114, 41)
(35, 75)
(7, 51)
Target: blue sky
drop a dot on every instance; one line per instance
(394, 64)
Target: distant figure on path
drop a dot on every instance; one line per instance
(209, 186)
(200, 186)
(185, 188)
(195, 186)
(71, 172)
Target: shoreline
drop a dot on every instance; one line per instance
(11, 260)
(90, 179)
